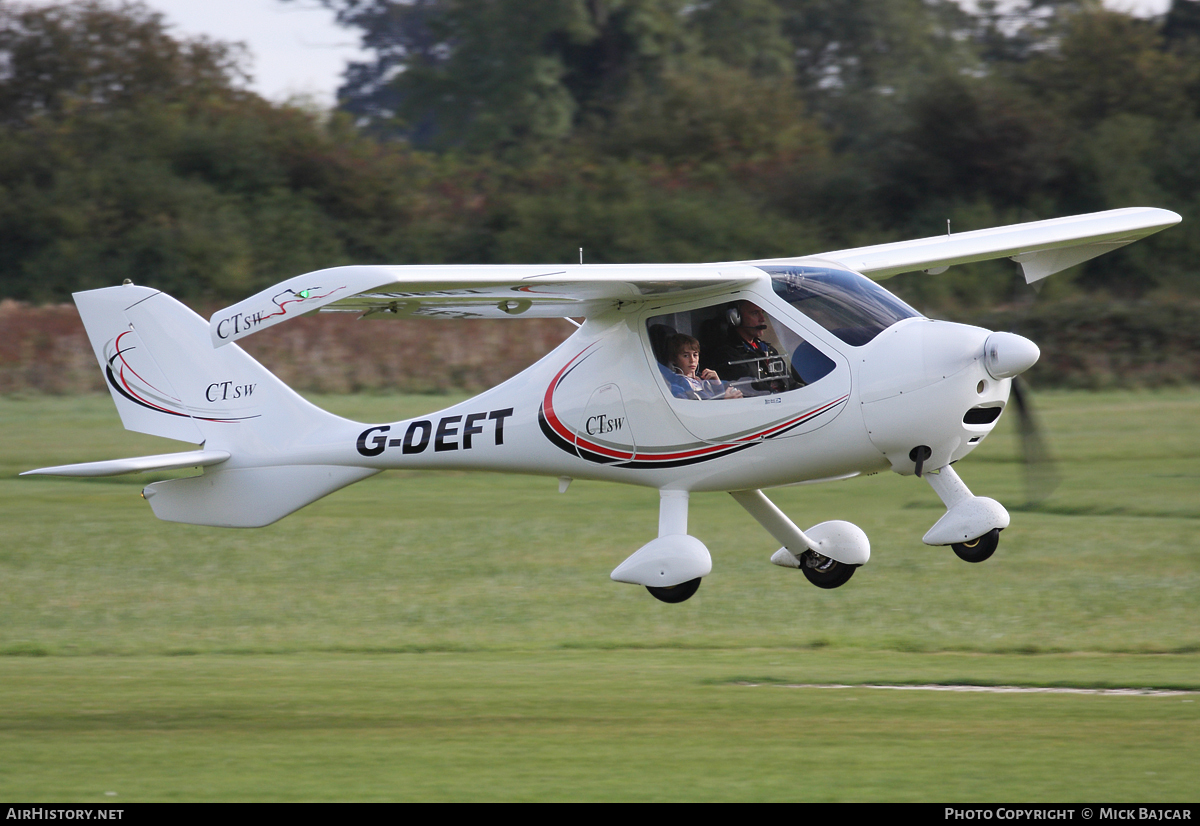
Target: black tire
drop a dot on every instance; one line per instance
(676, 593)
(977, 550)
(825, 572)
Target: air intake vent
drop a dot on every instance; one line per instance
(982, 415)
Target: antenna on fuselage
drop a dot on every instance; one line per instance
(581, 255)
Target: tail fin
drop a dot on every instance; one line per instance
(167, 380)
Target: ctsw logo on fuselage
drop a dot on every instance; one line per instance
(595, 425)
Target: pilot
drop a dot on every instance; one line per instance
(685, 384)
(747, 355)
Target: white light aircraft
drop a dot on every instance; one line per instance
(682, 378)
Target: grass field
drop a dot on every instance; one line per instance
(456, 636)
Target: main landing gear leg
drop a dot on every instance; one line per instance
(971, 525)
(827, 554)
(671, 566)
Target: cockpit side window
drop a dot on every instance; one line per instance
(732, 350)
(849, 305)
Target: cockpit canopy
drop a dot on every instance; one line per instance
(851, 306)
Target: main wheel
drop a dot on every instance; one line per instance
(978, 549)
(825, 572)
(675, 593)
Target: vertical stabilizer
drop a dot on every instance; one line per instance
(144, 397)
(167, 379)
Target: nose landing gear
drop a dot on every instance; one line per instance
(971, 525)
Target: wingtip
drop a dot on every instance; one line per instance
(1161, 217)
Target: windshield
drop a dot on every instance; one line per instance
(849, 305)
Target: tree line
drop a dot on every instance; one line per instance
(503, 131)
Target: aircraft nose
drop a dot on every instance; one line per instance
(1007, 354)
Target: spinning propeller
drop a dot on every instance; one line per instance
(1041, 471)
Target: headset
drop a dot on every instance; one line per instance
(733, 316)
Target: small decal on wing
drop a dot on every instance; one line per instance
(244, 323)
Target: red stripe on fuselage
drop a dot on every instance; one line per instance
(574, 438)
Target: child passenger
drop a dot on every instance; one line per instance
(685, 384)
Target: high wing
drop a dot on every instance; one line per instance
(471, 291)
(1041, 248)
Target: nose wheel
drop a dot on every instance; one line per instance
(825, 572)
(675, 593)
(979, 549)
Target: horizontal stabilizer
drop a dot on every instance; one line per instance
(138, 464)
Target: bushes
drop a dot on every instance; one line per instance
(45, 350)
(1086, 343)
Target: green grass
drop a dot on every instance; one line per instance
(555, 725)
(456, 636)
